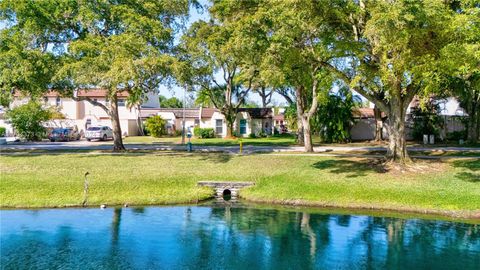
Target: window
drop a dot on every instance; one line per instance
(197, 122)
(121, 103)
(58, 102)
(219, 126)
(243, 126)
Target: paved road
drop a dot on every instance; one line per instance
(85, 145)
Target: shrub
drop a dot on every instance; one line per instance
(457, 135)
(27, 120)
(204, 133)
(177, 133)
(207, 133)
(252, 135)
(197, 132)
(426, 120)
(156, 126)
(3, 130)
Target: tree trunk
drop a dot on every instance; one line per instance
(139, 121)
(229, 129)
(473, 120)
(378, 124)
(117, 131)
(300, 131)
(307, 134)
(397, 148)
(230, 116)
(300, 110)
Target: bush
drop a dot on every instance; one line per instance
(177, 133)
(27, 120)
(426, 121)
(156, 126)
(207, 133)
(252, 135)
(457, 135)
(197, 132)
(3, 131)
(204, 133)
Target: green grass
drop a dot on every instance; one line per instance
(165, 178)
(281, 140)
(284, 140)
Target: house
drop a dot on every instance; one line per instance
(83, 114)
(450, 110)
(248, 120)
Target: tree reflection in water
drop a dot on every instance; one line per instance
(232, 237)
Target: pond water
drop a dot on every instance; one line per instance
(220, 237)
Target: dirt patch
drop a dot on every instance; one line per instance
(415, 167)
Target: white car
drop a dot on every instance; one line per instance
(99, 133)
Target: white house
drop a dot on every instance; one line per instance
(248, 120)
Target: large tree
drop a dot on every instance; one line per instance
(27, 52)
(219, 58)
(298, 34)
(459, 70)
(392, 48)
(114, 45)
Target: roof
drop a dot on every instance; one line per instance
(279, 117)
(178, 112)
(94, 93)
(205, 112)
(99, 93)
(258, 112)
(208, 112)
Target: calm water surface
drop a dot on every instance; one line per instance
(204, 237)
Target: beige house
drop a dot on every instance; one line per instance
(83, 114)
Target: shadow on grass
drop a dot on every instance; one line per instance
(472, 170)
(215, 157)
(351, 168)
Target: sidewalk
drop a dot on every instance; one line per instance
(247, 149)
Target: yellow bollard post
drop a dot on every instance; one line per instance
(241, 145)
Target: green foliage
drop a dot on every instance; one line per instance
(457, 135)
(204, 133)
(252, 135)
(426, 120)
(172, 102)
(291, 116)
(177, 133)
(3, 131)
(156, 126)
(334, 119)
(28, 119)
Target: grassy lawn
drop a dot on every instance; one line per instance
(163, 178)
(284, 140)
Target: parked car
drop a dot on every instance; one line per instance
(64, 134)
(99, 133)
